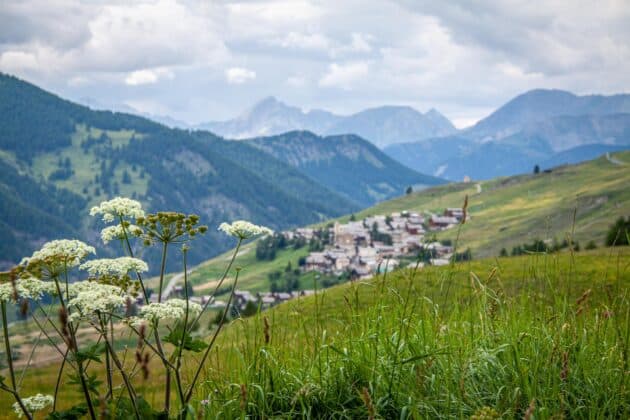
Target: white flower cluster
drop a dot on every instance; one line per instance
(171, 309)
(34, 403)
(114, 266)
(244, 230)
(118, 207)
(110, 233)
(69, 251)
(91, 297)
(27, 288)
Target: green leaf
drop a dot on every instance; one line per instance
(93, 353)
(73, 413)
(175, 338)
(92, 382)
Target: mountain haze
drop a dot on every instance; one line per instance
(539, 127)
(381, 126)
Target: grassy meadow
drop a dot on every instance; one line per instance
(544, 335)
(581, 200)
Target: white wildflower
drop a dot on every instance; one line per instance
(64, 251)
(116, 232)
(171, 309)
(244, 230)
(27, 288)
(91, 297)
(118, 207)
(34, 403)
(114, 266)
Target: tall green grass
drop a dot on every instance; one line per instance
(544, 333)
(548, 333)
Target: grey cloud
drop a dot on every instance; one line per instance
(461, 57)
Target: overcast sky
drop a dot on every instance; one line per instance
(201, 61)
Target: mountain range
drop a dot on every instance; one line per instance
(58, 158)
(539, 127)
(381, 126)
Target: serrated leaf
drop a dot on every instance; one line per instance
(92, 352)
(175, 338)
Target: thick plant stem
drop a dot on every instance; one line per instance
(58, 382)
(178, 366)
(81, 372)
(156, 334)
(130, 390)
(130, 251)
(162, 268)
(7, 348)
(108, 366)
(167, 390)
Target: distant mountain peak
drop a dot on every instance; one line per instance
(381, 125)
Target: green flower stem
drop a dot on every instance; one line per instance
(108, 366)
(121, 369)
(7, 347)
(211, 344)
(167, 390)
(225, 273)
(130, 251)
(58, 382)
(156, 334)
(162, 268)
(178, 366)
(80, 368)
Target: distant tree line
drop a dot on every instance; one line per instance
(619, 232)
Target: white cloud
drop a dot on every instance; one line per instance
(297, 40)
(17, 61)
(239, 75)
(297, 81)
(344, 75)
(147, 76)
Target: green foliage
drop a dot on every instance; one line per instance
(174, 337)
(250, 309)
(92, 382)
(92, 352)
(73, 413)
(619, 232)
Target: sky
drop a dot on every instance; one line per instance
(205, 61)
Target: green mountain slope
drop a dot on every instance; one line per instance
(286, 177)
(58, 158)
(512, 210)
(507, 212)
(346, 164)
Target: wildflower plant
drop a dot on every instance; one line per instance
(104, 301)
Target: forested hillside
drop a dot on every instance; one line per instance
(57, 159)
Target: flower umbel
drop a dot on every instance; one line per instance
(34, 403)
(117, 232)
(92, 298)
(114, 266)
(171, 309)
(244, 230)
(26, 288)
(63, 252)
(118, 207)
(168, 227)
